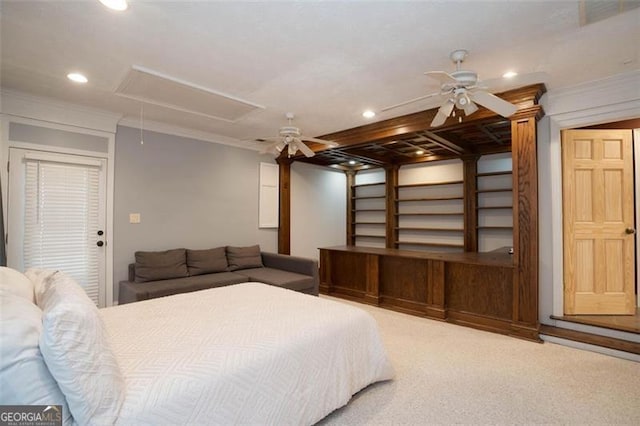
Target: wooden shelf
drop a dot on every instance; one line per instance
(415, 185)
(494, 207)
(430, 244)
(369, 236)
(503, 173)
(368, 223)
(410, 228)
(494, 227)
(368, 210)
(429, 199)
(369, 197)
(368, 184)
(431, 214)
(480, 191)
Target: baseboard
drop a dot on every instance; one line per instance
(591, 339)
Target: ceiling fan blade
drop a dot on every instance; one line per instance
(410, 101)
(443, 113)
(442, 77)
(322, 141)
(493, 103)
(304, 148)
(470, 108)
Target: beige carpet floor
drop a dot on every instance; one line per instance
(448, 374)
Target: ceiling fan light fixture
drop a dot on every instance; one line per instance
(470, 108)
(291, 149)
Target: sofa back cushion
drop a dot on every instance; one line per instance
(206, 261)
(244, 257)
(161, 265)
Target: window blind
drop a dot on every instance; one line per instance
(62, 220)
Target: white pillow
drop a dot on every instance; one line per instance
(75, 346)
(24, 376)
(38, 277)
(16, 283)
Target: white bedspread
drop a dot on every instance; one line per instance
(246, 353)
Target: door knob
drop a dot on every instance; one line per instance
(630, 231)
(100, 243)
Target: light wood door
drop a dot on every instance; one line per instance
(598, 210)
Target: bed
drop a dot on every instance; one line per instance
(242, 354)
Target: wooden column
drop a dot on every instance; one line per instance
(284, 220)
(351, 215)
(470, 187)
(391, 192)
(525, 223)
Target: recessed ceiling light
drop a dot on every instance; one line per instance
(419, 152)
(352, 162)
(118, 5)
(368, 114)
(77, 77)
(509, 74)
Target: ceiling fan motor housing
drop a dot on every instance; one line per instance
(465, 78)
(289, 131)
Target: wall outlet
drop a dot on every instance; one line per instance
(134, 217)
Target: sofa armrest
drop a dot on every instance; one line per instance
(130, 292)
(285, 262)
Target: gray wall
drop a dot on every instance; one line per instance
(189, 193)
(318, 209)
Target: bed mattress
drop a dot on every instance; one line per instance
(246, 353)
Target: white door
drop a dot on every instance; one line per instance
(56, 216)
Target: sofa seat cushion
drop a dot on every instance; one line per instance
(277, 277)
(184, 285)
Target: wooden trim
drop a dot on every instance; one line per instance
(391, 188)
(591, 339)
(470, 191)
(284, 217)
(351, 213)
(525, 220)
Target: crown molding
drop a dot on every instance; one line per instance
(617, 89)
(170, 129)
(19, 104)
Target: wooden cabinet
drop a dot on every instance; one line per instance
(473, 289)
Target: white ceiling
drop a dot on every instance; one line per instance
(325, 61)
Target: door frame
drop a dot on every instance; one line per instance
(5, 144)
(636, 151)
(574, 120)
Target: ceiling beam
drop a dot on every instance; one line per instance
(444, 143)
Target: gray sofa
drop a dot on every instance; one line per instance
(158, 274)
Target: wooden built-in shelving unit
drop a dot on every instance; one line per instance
(367, 218)
(429, 216)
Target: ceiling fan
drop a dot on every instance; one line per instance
(462, 91)
(289, 137)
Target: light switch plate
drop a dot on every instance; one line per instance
(134, 217)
